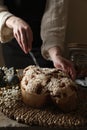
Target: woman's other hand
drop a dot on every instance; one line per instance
(61, 62)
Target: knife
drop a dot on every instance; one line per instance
(34, 59)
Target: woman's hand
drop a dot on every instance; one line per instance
(22, 32)
(62, 63)
(65, 65)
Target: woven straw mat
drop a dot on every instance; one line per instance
(49, 116)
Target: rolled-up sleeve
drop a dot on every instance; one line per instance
(6, 33)
(53, 25)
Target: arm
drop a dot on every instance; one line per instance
(53, 26)
(12, 26)
(53, 29)
(5, 32)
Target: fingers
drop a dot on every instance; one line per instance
(29, 36)
(17, 37)
(24, 41)
(67, 68)
(24, 38)
(70, 70)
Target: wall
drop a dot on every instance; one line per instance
(77, 21)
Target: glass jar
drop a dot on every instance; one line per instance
(79, 58)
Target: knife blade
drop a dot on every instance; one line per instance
(34, 59)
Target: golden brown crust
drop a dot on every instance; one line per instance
(32, 99)
(38, 83)
(67, 104)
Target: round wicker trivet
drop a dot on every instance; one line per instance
(49, 116)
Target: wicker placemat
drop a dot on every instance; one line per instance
(49, 116)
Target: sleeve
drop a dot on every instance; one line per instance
(6, 33)
(53, 25)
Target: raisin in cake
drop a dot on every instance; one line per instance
(38, 84)
(33, 86)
